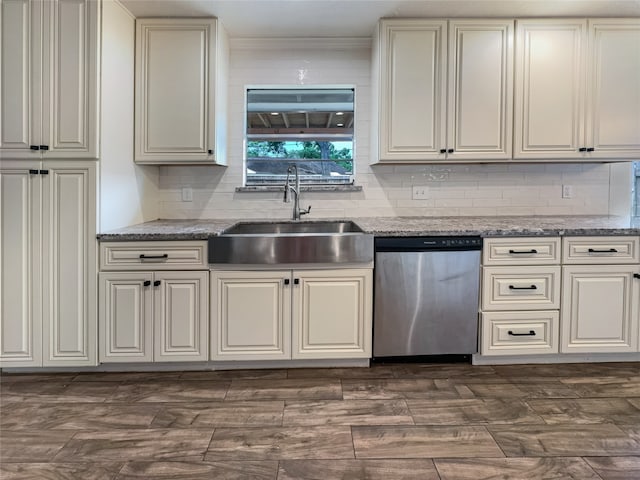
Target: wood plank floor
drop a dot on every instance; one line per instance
(392, 422)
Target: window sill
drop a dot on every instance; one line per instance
(304, 188)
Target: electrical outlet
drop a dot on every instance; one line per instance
(187, 194)
(419, 192)
(567, 191)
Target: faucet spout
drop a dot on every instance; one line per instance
(291, 190)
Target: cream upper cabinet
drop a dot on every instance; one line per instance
(48, 283)
(180, 85)
(49, 56)
(613, 89)
(577, 89)
(416, 120)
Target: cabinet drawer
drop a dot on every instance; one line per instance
(600, 250)
(183, 255)
(521, 251)
(519, 333)
(520, 288)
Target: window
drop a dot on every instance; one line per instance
(309, 127)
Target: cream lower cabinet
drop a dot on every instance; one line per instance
(600, 294)
(520, 296)
(299, 314)
(48, 263)
(154, 301)
(153, 316)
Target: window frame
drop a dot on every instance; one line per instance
(245, 140)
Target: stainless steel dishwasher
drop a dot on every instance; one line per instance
(426, 296)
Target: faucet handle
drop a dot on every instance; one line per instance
(304, 212)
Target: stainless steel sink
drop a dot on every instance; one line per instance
(292, 228)
(275, 243)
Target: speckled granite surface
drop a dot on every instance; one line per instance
(400, 226)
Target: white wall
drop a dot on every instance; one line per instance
(128, 193)
(493, 189)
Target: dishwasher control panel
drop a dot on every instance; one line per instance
(427, 243)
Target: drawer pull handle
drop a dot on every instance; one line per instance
(513, 287)
(153, 257)
(636, 275)
(606, 250)
(156, 283)
(530, 334)
(516, 252)
(147, 283)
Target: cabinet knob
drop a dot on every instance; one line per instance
(450, 150)
(156, 283)
(210, 152)
(443, 150)
(286, 281)
(636, 275)
(296, 281)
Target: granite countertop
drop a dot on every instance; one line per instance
(399, 226)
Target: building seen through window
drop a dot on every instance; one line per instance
(309, 127)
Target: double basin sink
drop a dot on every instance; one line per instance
(273, 243)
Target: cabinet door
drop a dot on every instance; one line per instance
(69, 265)
(126, 317)
(181, 316)
(332, 314)
(599, 309)
(549, 88)
(175, 71)
(70, 57)
(251, 315)
(20, 78)
(480, 105)
(613, 99)
(412, 90)
(20, 262)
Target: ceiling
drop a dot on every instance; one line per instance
(357, 18)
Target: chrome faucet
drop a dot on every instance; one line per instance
(295, 191)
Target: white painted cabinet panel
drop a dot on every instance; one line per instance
(332, 314)
(126, 317)
(549, 88)
(480, 91)
(69, 264)
(20, 265)
(251, 314)
(182, 316)
(613, 88)
(179, 91)
(600, 309)
(49, 248)
(413, 90)
(49, 75)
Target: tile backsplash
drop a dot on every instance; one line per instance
(451, 189)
